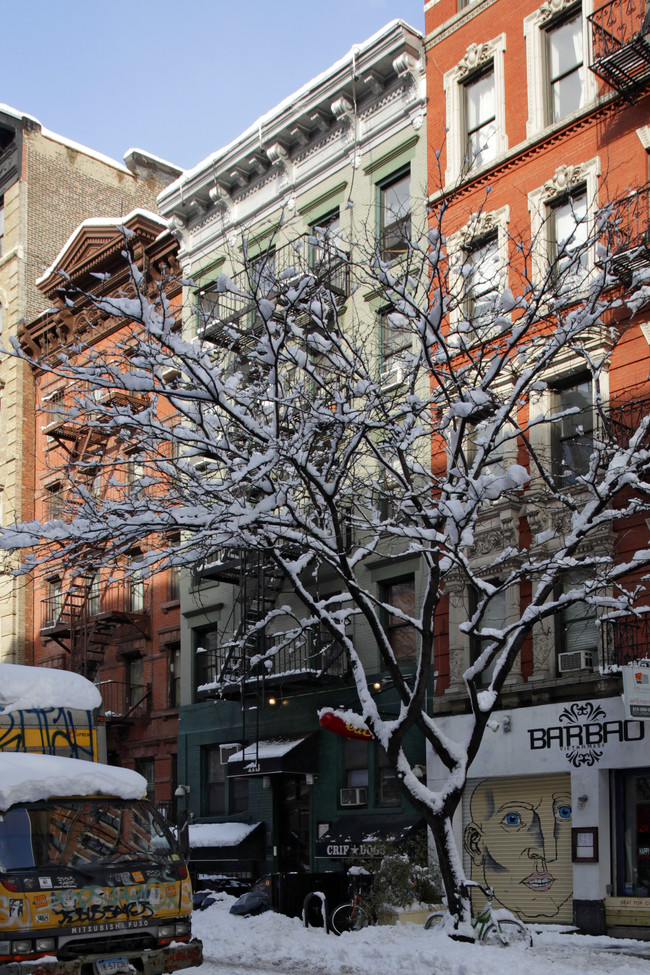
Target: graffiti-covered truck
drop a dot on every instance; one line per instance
(91, 879)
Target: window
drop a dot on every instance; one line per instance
(493, 619)
(174, 677)
(215, 779)
(54, 502)
(565, 65)
(94, 602)
(558, 82)
(633, 841)
(388, 792)
(568, 235)
(562, 224)
(395, 339)
(355, 764)
(173, 583)
(223, 795)
(475, 108)
(481, 283)
(479, 439)
(480, 119)
(134, 681)
(395, 215)
(572, 435)
(402, 635)
(575, 625)
(135, 588)
(147, 768)
(206, 658)
(53, 601)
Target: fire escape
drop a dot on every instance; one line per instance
(244, 666)
(621, 46)
(88, 617)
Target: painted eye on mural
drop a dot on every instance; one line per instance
(511, 819)
(563, 812)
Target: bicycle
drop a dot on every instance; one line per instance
(492, 928)
(354, 914)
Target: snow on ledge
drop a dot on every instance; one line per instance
(44, 687)
(26, 777)
(219, 834)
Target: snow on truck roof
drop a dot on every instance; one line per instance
(42, 687)
(26, 777)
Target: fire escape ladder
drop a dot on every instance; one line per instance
(260, 584)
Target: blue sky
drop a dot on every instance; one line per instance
(179, 79)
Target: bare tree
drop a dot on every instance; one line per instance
(297, 436)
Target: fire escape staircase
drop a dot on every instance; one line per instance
(86, 624)
(259, 586)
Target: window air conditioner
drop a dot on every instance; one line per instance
(576, 660)
(392, 377)
(354, 797)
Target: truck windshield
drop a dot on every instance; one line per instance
(79, 832)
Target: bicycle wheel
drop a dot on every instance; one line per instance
(434, 920)
(349, 917)
(508, 931)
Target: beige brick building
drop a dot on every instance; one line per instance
(48, 185)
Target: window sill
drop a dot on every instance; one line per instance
(170, 605)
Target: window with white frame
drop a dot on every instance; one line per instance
(475, 109)
(566, 68)
(494, 618)
(482, 283)
(568, 235)
(562, 217)
(572, 435)
(478, 257)
(395, 342)
(559, 82)
(480, 119)
(576, 628)
(395, 214)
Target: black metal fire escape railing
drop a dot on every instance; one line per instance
(625, 236)
(621, 50)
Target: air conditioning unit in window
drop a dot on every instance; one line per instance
(354, 797)
(392, 378)
(576, 660)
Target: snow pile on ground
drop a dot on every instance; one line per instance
(277, 943)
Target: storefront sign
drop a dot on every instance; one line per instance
(636, 692)
(347, 729)
(582, 732)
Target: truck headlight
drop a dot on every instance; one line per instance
(166, 930)
(183, 928)
(45, 944)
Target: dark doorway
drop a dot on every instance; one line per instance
(293, 820)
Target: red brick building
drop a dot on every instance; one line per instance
(119, 630)
(537, 118)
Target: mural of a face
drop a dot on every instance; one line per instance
(519, 842)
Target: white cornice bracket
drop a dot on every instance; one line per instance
(343, 110)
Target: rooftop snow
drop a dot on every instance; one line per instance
(44, 687)
(100, 222)
(25, 777)
(355, 52)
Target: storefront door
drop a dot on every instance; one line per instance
(293, 822)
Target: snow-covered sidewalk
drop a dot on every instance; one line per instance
(275, 942)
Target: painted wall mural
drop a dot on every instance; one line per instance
(518, 839)
(49, 731)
